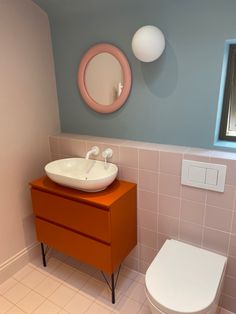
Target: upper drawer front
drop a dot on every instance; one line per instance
(84, 218)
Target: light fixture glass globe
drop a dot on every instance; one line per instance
(148, 43)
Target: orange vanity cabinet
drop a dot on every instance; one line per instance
(96, 228)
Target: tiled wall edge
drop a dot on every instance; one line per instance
(149, 146)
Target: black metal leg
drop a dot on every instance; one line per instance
(112, 289)
(112, 285)
(43, 255)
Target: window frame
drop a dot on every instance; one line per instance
(224, 121)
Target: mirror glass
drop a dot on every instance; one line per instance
(104, 78)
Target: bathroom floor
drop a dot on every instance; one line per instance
(67, 286)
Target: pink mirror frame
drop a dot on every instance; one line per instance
(118, 54)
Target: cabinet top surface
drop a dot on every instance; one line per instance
(104, 198)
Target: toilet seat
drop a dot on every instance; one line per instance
(184, 279)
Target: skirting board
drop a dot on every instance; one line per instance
(18, 261)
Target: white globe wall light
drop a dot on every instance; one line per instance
(148, 43)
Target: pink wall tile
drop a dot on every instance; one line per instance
(65, 146)
(231, 267)
(148, 238)
(223, 200)
(218, 218)
(55, 157)
(234, 224)
(229, 303)
(168, 225)
(147, 200)
(143, 266)
(149, 160)
(54, 145)
(190, 233)
(192, 211)
(232, 245)
(171, 163)
(116, 153)
(224, 311)
(148, 181)
(129, 157)
(147, 254)
(231, 169)
(131, 262)
(169, 185)
(147, 220)
(162, 239)
(135, 252)
(78, 148)
(128, 174)
(169, 206)
(229, 286)
(193, 194)
(215, 240)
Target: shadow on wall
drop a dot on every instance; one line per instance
(157, 73)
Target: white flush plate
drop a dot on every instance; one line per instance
(203, 175)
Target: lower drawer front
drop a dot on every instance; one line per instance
(73, 244)
(87, 219)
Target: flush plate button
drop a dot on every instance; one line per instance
(197, 174)
(212, 176)
(203, 175)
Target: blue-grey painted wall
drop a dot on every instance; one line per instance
(174, 99)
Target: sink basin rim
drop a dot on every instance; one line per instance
(87, 183)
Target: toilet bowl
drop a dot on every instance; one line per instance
(184, 279)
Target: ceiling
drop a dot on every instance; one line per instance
(64, 8)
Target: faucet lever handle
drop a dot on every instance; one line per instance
(95, 150)
(107, 153)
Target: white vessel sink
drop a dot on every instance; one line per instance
(82, 174)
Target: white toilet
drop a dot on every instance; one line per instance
(184, 279)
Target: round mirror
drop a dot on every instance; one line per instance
(104, 78)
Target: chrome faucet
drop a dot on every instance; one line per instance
(93, 151)
(107, 153)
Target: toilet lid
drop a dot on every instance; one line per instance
(183, 278)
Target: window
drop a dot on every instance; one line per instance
(228, 115)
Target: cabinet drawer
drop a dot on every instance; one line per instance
(80, 217)
(76, 245)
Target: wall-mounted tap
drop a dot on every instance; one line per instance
(107, 153)
(93, 151)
